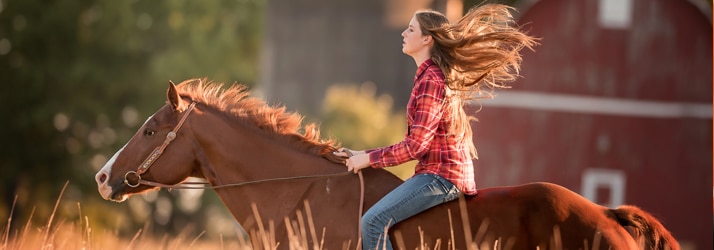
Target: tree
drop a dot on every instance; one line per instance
(78, 76)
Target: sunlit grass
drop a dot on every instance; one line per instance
(78, 234)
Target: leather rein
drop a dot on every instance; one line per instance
(158, 151)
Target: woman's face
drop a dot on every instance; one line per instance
(413, 40)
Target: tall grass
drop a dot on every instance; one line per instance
(59, 234)
(78, 234)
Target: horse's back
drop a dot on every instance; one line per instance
(533, 215)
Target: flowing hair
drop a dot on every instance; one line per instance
(477, 54)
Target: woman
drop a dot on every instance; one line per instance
(455, 61)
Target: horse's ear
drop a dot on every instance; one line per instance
(173, 97)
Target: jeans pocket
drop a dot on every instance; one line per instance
(450, 190)
(453, 194)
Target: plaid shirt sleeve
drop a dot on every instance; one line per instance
(423, 116)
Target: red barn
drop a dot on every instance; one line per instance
(616, 104)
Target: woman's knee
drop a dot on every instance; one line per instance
(374, 221)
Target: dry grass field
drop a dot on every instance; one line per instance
(62, 233)
(77, 233)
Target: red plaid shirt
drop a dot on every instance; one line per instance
(427, 139)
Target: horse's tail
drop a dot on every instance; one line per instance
(645, 225)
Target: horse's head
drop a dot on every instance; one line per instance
(160, 151)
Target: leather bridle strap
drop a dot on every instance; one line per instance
(158, 150)
(361, 204)
(361, 208)
(206, 185)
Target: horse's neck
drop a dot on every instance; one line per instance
(233, 152)
(241, 150)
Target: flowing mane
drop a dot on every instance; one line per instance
(236, 100)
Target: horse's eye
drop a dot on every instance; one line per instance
(149, 132)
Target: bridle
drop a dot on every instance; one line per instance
(158, 151)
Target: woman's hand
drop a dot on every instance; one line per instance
(357, 162)
(345, 152)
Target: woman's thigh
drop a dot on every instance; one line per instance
(415, 195)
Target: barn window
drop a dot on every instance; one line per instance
(610, 181)
(615, 14)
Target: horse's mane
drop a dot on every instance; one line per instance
(236, 101)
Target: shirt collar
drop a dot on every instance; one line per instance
(423, 67)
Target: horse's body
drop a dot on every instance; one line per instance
(231, 138)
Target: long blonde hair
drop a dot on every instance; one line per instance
(477, 53)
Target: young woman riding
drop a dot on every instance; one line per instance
(456, 62)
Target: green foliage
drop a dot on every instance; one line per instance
(79, 77)
(361, 120)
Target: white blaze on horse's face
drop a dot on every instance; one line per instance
(102, 177)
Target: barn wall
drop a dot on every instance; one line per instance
(311, 44)
(616, 103)
(617, 108)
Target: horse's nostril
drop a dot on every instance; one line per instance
(102, 178)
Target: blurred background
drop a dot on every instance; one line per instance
(615, 104)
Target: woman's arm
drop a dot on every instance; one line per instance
(428, 100)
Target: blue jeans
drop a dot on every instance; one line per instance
(415, 195)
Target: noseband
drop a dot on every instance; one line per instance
(157, 151)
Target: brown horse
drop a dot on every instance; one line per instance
(237, 143)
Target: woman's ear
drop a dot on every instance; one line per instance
(427, 40)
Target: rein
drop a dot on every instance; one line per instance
(205, 185)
